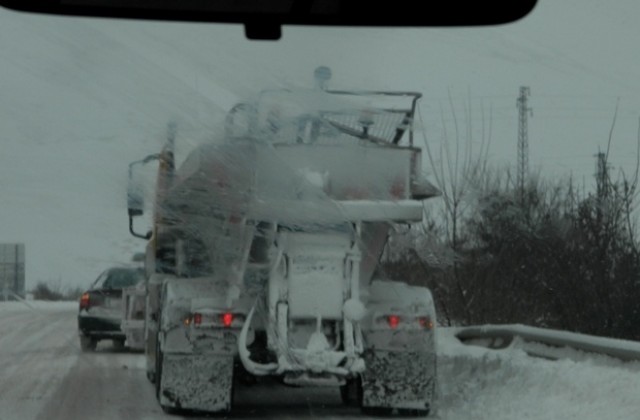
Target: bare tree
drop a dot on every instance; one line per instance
(457, 168)
(459, 171)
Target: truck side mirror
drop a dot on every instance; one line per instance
(135, 198)
(135, 195)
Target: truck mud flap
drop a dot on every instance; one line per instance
(403, 380)
(197, 382)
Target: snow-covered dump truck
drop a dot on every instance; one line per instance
(263, 259)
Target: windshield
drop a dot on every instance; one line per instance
(347, 222)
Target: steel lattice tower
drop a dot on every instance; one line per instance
(523, 138)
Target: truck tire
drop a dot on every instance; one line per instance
(88, 343)
(413, 412)
(377, 411)
(158, 381)
(118, 344)
(158, 374)
(351, 392)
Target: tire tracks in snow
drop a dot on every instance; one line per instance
(36, 352)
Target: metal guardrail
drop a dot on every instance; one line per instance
(502, 336)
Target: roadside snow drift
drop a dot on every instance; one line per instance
(479, 383)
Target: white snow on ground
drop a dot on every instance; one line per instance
(46, 376)
(37, 305)
(479, 383)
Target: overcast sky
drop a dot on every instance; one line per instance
(81, 98)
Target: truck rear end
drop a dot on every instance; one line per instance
(271, 239)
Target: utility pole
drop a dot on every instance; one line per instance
(523, 140)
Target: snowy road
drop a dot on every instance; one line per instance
(44, 375)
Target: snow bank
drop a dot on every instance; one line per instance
(480, 383)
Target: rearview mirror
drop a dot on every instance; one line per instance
(263, 19)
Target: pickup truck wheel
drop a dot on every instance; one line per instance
(88, 343)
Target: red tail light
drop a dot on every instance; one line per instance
(227, 319)
(394, 321)
(425, 322)
(405, 322)
(85, 301)
(214, 320)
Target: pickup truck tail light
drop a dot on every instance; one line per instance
(404, 322)
(425, 322)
